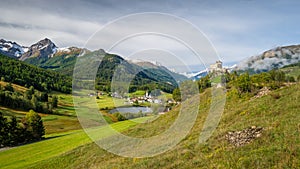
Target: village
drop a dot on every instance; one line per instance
(146, 98)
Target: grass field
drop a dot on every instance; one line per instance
(107, 102)
(54, 145)
(65, 104)
(137, 93)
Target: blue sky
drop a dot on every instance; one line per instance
(238, 29)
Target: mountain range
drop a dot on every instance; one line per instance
(47, 55)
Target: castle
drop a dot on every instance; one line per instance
(217, 68)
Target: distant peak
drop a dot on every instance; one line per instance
(43, 43)
(101, 51)
(46, 40)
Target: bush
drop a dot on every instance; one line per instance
(119, 116)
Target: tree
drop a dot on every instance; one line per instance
(29, 92)
(44, 97)
(34, 102)
(13, 131)
(54, 101)
(45, 86)
(176, 94)
(204, 83)
(244, 83)
(3, 133)
(290, 79)
(9, 87)
(277, 75)
(34, 125)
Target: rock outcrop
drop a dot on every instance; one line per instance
(240, 138)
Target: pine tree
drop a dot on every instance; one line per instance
(3, 133)
(44, 97)
(13, 131)
(54, 101)
(34, 102)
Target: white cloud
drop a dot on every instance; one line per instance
(238, 29)
(28, 27)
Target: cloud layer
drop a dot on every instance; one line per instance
(237, 29)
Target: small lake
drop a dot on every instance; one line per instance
(131, 110)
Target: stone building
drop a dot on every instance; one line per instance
(217, 69)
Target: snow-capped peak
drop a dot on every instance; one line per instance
(12, 49)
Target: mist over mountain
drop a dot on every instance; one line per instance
(271, 59)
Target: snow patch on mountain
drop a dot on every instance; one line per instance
(11, 49)
(195, 74)
(66, 49)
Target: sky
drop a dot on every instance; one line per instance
(237, 29)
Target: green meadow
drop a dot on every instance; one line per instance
(55, 145)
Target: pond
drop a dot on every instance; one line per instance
(131, 110)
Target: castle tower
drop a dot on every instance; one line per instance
(219, 64)
(216, 67)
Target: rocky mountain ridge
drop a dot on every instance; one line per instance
(44, 48)
(12, 49)
(271, 59)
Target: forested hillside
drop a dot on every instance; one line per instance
(23, 74)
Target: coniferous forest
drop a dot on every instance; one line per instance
(23, 74)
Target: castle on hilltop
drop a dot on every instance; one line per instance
(217, 68)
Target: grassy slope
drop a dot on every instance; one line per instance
(56, 144)
(279, 146)
(15, 86)
(292, 71)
